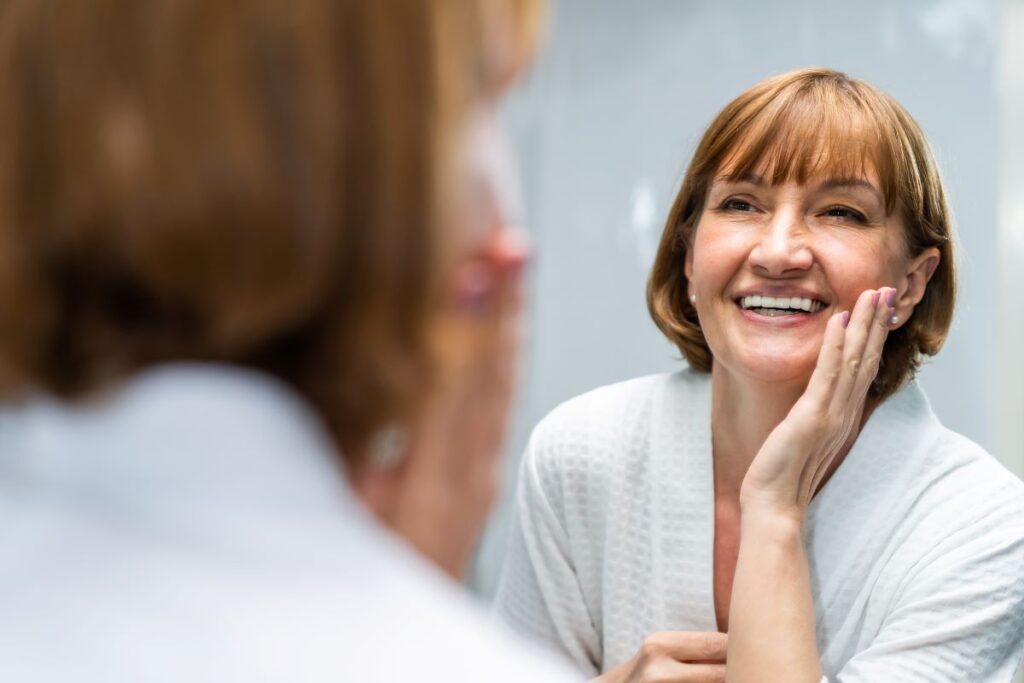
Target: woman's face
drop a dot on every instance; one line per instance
(770, 264)
(440, 491)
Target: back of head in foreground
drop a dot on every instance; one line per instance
(291, 195)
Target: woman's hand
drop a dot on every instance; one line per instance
(771, 615)
(674, 657)
(795, 457)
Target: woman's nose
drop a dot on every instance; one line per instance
(782, 247)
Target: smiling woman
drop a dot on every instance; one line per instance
(787, 508)
(871, 165)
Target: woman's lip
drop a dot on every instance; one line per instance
(791, 320)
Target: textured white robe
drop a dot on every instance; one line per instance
(916, 544)
(192, 526)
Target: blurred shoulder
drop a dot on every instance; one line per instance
(442, 629)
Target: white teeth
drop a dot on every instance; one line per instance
(781, 303)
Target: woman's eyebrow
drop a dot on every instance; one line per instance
(849, 183)
(751, 178)
(825, 186)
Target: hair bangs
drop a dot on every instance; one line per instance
(820, 130)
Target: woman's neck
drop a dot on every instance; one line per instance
(744, 412)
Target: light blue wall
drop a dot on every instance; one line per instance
(604, 128)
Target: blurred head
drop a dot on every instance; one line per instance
(285, 186)
(806, 190)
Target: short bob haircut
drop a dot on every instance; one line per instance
(797, 126)
(255, 183)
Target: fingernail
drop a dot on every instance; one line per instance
(890, 297)
(875, 297)
(844, 318)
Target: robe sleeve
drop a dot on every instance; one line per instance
(539, 594)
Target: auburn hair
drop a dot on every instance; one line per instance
(796, 126)
(256, 183)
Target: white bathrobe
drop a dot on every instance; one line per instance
(192, 526)
(916, 544)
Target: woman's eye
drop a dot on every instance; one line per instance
(737, 205)
(845, 213)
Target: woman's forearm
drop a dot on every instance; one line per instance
(771, 614)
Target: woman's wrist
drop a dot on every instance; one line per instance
(772, 522)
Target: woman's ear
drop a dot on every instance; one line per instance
(688, 271)
(915, 281)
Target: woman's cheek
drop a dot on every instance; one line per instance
(853, 266)
(718, 255)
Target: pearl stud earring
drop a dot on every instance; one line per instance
(693, 298)
(894, 320)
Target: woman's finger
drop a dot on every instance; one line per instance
(857, 333)
(696, 646)
(670, 671)
(826, 372)
(876, 341)
(701, 673)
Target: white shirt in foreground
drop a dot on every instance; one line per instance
(916, 544)
(194, 526)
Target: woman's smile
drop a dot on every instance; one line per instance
(787, 308)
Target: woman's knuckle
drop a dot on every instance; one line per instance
(818, 413)
(706, 646)
(831, 423)
(653, 644)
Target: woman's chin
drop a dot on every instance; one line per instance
(774, 368)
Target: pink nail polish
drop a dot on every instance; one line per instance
(844, 318)
(890, 297)
(875, 297)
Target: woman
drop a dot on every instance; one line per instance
(252, 254)
(788, 508)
